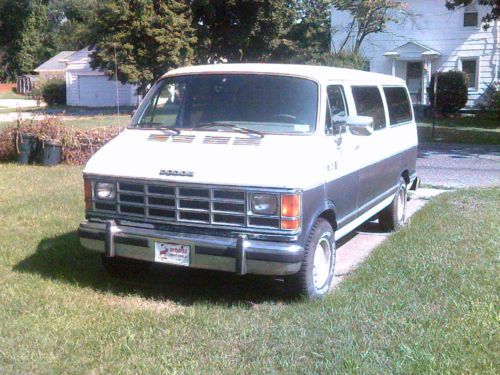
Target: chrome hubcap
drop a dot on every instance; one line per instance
(401, 205)
(322, 264)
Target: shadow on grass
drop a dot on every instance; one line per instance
(62, 258)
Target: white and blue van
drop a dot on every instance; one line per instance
(252, 168)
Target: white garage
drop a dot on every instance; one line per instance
(90, 88)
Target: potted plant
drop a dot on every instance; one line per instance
(49, 150)
(25, 141)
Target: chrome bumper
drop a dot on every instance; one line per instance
(239, 255)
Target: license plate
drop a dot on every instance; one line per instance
(172, 253)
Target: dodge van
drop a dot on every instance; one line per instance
(252, 169)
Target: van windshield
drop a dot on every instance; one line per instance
(251, 103)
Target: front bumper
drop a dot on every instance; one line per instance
(239, 255)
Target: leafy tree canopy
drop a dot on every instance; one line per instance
(150, 38)
(32, 31)
(241, 30)
(370, 16)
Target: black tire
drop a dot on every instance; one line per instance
(393, 216)
(124, 268)
(304, 283)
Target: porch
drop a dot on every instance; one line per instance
(412, 62)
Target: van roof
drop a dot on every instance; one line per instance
(318, 73)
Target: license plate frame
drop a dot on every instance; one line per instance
(173, 253)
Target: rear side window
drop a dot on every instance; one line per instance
(369, 103)
(398, 104)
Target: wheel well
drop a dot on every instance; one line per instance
(329, 216)
(406, 176)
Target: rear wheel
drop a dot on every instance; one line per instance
(316, 273)
(393, 216)
(124, 267)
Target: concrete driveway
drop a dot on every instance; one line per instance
(458, 165)
(19, 103)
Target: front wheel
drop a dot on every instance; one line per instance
(393, 216)
(316, 273)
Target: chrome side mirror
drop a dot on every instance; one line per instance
(360, 125)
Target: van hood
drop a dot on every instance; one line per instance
(216, 158)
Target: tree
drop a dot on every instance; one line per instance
(308, 37)
(71, 20)
(24, 36)
(240, 30)
(150, 38)
(369, 16)
(490, 17)
(32, 31)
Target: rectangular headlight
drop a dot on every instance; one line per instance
(264, 204)
(105, 190)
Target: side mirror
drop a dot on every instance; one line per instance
(360, 125)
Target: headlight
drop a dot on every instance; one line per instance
(264, 204)
(105, 190)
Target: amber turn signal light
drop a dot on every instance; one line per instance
(290, 205)
(87, 187)
(290, 224)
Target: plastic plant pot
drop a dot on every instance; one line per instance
(49, 153)
(27, 148)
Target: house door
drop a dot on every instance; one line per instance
(414, 74)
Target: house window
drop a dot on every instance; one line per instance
(471, 19)
(470, 67)
(471, 15)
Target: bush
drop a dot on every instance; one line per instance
(492, 97)
(77, 145)
(53, 91)
(452, 92)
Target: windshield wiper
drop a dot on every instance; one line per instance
(239, 129)
(155, 126)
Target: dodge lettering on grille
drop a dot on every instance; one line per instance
(172, 172)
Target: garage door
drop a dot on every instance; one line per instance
(96, 91)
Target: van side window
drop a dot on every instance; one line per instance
(398, 105)
(337, 110)
(369, 103)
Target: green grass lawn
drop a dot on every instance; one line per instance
(425, 301)
(449, 134)
(87, 122)
(12, 95)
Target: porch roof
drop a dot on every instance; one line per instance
(411, 51)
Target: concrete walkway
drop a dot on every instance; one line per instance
(353, 249)
(19, 103)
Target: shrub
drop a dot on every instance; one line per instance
(452, 93)
(492, 97)
(77, 145)
(53, 91)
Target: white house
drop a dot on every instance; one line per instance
(86, 87)
(54, 67)
(431, 39)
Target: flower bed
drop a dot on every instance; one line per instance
(77, 145)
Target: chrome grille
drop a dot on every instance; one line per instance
(182, 204)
